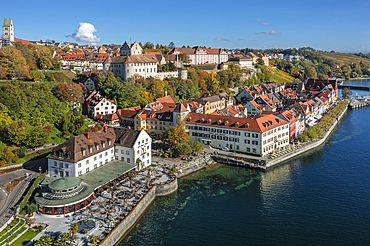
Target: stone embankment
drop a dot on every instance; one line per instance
(307, 147)
(195, 165)
(126, 224)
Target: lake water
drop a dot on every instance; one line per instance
(319, 198)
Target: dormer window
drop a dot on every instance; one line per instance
(83, 152)
(90, 149)
(103, 144)
(237, 124)
(109, 142)
(226, 123)
(61, 154)
(97, 146)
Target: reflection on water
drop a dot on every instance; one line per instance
(319, 198)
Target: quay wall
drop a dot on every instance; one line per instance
(310, 146)
(198, 164)
(129, 221)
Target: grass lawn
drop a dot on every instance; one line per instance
(53, 137)
(8, 227)
(39, 154)
(16, 234)
(25, 238)
(11, 231)
(280, 79)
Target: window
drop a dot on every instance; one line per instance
(79, 173)
(60, 165)
(106, 153)
(87, 170)
(67, 174)
(67, 166)
(90, 149)
(111, 151)
(87, 162)
(247, 134)
(122, 159)
(255, 142)
(106, 161)
(79, 165)
(138, 151)
(128, 160)
(247, 141)
(83, 152)
(100, 156)
(97, 146)
(56, 171)
(103, 145)
(254, 151)
(95, 158)
(95, 166)
(55, 163)
(109, 142)
(100, 164)
(248, 149)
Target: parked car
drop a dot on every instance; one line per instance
(225, 149)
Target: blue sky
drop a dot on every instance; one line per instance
(328, 25)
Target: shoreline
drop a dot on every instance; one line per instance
(359, 78)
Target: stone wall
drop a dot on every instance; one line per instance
(129, 221)
(198, 164)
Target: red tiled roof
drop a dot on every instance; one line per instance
(256, 124)
(22, 41)
(166, 99)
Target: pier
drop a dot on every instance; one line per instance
(359, 102)
(354, 87)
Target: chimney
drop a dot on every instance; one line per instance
(105, 128)
(87, 135)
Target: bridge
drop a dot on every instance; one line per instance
(355, 87)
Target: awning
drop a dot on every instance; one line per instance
(204, 139)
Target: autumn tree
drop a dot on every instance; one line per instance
(22, 72)
(3, 72)
(10, 58)
(176, 135)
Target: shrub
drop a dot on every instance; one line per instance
(196, 145)
(31, 208)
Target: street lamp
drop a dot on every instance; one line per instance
(40, 169)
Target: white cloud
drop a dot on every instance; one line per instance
(263, 23)
(272, 32)
(85, 33)
(221, 39)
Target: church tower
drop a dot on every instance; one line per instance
(8, 32)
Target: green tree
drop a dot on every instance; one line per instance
(37, 75)
(65, 237)
(176, 135)
(311, 72)
(171, 45)
(346, 93)
(73, 229)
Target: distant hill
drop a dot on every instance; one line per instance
(344, 58)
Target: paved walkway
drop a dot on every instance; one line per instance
(105, 212)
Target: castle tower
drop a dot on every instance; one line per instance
(8, 32)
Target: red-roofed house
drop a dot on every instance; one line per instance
(261, 135)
